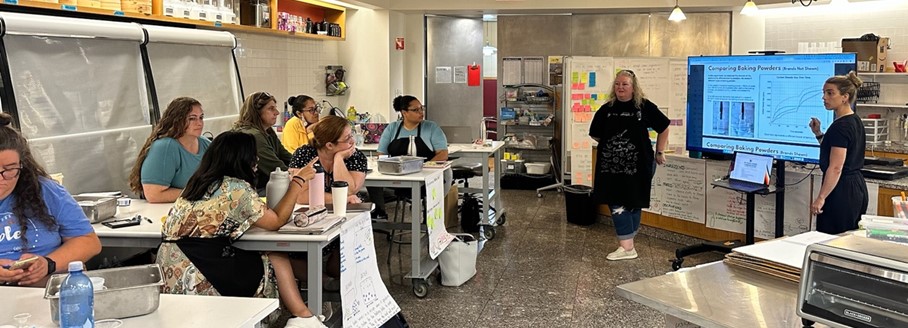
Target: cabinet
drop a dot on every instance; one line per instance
(208, 14)
(527, 125)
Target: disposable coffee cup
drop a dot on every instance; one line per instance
(339, 197)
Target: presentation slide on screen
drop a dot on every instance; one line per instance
(763, 104)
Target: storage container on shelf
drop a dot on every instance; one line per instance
(538, 168)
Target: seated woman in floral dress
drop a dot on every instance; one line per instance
(217, 206)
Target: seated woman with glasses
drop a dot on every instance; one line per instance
(298, 130)
(430, 141)
(40, 218)
(218, 205)
(258, 115)
(171, 153)
(332, 148)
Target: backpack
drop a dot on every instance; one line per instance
(470, 213)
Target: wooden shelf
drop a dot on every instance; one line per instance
(189, 22)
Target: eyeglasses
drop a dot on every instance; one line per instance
(419, 109)
(348, 139)
(313, 109)
(10, 174)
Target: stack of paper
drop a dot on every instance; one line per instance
(781, 257)
(328, 223)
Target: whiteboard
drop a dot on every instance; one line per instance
(684, 189)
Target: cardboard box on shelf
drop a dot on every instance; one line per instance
(872, 55)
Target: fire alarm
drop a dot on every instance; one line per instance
(399, 44)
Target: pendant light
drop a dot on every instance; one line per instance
(677, 15)
(750, 8)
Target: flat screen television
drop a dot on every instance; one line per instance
(760, 104)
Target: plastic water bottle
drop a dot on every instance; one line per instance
(317, 187)
(77, 299)
(277, 187)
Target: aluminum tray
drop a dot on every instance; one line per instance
(131, 291)
(97, 208)
(400, 165)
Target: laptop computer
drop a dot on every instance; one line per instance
(748, 173)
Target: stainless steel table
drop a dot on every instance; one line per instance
(720, 295)
(492, 206)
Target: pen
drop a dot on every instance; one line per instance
(147, 219)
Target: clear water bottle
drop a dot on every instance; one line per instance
(77, 299)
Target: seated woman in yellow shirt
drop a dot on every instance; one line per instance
(297, 130)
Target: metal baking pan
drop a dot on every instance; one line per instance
(130, 291)
(400, 165)
(97, 208)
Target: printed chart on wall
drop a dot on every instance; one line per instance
(439, 238)
(684, 189)
(589, 83)
(364, 297)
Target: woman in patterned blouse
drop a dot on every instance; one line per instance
(217, 206)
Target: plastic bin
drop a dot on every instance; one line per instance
(579, 204)
(899, 207)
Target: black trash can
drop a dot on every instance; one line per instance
(579, 205)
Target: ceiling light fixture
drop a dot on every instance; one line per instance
(750, 8)
(677, 15)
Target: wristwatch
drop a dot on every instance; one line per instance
(51, 266)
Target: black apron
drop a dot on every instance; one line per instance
(232, 271)
(399, 147)
(624, 160)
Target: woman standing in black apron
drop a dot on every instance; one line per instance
(429, 142)
(843, 197)
(625, 161)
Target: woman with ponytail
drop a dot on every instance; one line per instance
(843, 197)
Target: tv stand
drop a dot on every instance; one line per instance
(727, 245)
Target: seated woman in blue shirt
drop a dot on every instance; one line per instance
(430, 141)
(40, 219)
(172, 153)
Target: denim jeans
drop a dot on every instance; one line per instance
(627, 220)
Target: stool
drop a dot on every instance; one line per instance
(465, 172)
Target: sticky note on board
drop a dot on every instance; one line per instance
(575, 107)
(575, 145)
(575, 77)
(581, 86)
(586, 96)
(594, 96)
(586, 108)
(576, 96)
(592, 79)
(583, 78)
(575, 86)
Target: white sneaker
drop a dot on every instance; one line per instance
(621, 254)
(310, 322)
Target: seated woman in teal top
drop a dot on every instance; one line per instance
(172, 153)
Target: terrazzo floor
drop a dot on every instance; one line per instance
(539, 271)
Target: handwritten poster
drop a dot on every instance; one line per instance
(581, 149)
(797, 208)
(684, 194)
(439, 238)
(726, 209)
(590, 84)
(651, 74)
(657, 193)
(364, 297)
(677, 106)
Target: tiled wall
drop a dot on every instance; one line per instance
(285, 66)
(817, 24)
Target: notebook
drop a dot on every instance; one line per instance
(748, 173)
(328, 223)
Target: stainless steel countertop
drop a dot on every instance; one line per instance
(720, 295)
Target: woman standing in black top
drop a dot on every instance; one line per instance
(625, 160)
(843, 197)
